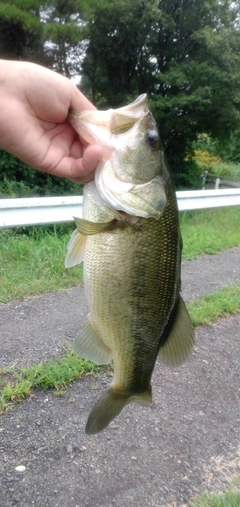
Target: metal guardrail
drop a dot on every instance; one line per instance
(218, 181)
(203, 199)
(39, 210)
(53, 210)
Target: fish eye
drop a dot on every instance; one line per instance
(152, 138)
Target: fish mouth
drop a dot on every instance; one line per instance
(98, 127)
(120, 132)
(125, 117)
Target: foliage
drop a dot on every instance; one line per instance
(206, 154)
(185, 55)
(19, 180)
(226, 170)
(205, 158)
(230, 151)
(20, 31)
(42, 31)
(64, 35)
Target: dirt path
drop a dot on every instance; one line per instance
(188, 441)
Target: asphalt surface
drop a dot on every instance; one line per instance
(188, 441)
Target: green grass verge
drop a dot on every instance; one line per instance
(17, 384)
(209, 231)
(229, 499)
(32, 259)
(32, 262)
(221, 303)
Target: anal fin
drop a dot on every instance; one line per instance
(179, 343)
(89, 346)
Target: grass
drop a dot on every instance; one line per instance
(221, 303)
(17, 384)
(32, 259)
(209, 231)
(228, 499)
(32, 262)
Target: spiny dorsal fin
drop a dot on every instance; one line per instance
(179, 343)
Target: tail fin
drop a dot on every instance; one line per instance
(110, 405)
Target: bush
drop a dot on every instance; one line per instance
(19, 180)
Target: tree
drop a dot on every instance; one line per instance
(118, 62)
(47, 33)
(21, 31)
(19, 180)
(43, 31)
(64, 33)
(184, 53)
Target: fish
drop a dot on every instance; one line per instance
(129, 241)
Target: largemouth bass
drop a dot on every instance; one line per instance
(129, 239)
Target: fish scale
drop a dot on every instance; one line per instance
(130, 242)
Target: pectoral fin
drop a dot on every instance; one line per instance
(179, 343)
(88, 228)
(76, 248)
(90, 346)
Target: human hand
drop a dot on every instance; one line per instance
(34, 106)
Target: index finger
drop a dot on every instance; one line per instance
(79, 101)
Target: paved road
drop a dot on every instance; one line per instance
(161, 456)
